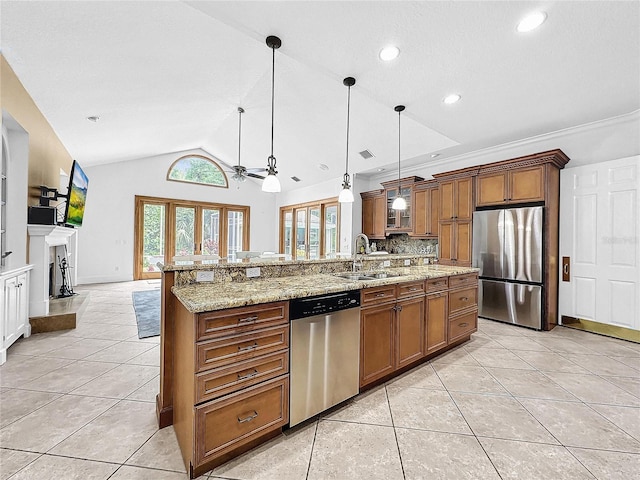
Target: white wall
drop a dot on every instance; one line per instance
(105, 240)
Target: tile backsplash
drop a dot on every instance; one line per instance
(403, 243)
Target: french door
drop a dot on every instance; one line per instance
(309, 231)
(166, 228)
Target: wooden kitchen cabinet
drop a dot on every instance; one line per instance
(377, 342)
(456, 199)
(455, 243)
(14, 308)
(410, 331)
(426, 206)
(436, 315)
(513, 186)
(463, 306)
(400, 221)
(374, 213)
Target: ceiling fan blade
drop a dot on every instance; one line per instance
(254, 175)
(255, 170)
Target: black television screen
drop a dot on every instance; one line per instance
(76, 196)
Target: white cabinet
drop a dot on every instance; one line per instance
(14, 307)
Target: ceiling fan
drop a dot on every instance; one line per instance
(240, 172)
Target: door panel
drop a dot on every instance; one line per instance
(301, 234)
(445, 245)
(185, 231)
(235, 232)
(464, 199)
(410, 332)
(437, 322)
(210, 240)
(492, 189)
(153, 240)
(314, 233)
(463, 243)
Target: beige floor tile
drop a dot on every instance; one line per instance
(286, 456)
(369, 407)
(69, 377)
(126, 472)
(423, 376)
(37, 344)
(602, 365)
(627, 418)
(81, 349)
(15, 404)
(628, 384)
(530, 384)
(479, 340)
(500, 417)
(354, 451)
(466, 378)
(49, 425)
(48, 467)
(633, 362)
(113, 436)
(117, 332)
(160, 451)
(533, 461)
(457, 356)
(13, 460)
(494, 328)
(119, 352)
(550, 362)
(503, 358)
(577, 425)
(119, 382)
(150, 357)
(564, 345)
(425, 409)
(593, 389)
(520, 343)
(20, 369)
(609, 465)
(443, 456)
(147, 392)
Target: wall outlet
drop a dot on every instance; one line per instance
(253, 272)
(386, 263)
(407, 262)
(204, 276)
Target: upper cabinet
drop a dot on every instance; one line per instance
(374, 214)
(400, 221)
(426, 207)
(456, 199)
(513, 186)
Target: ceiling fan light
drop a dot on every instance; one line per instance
(399, 203)
(271, 183)
(346, 196)
(238, 177)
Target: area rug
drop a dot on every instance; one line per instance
(146, 304)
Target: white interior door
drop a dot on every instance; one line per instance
(599, 227)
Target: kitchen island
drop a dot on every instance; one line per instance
(225, 341)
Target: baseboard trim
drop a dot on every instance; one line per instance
(615, 331)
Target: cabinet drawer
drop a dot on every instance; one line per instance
(222, 381)
(463, 325)
(460, 280)
(370, 296)
(463, 298)
(243, 319)
(223, 351)
(437, 284)
(410, 289)
(231, 421)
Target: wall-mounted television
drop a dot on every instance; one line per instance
(76, 196)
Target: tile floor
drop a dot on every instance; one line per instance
(510, 404)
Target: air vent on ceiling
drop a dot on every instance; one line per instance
(366, 154)
(295, 179)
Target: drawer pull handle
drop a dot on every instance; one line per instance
(463, 324)
(413, 289)
(248, 347)
(248, 319)
(464, 299)
(249, 418)
(248, 375)
(378, 295)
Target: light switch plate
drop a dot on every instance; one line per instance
(407, 262)
(386, 263)
(253, 272)
(204, 276)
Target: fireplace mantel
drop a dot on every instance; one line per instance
(41, 239)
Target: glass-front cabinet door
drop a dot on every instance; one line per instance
(399, 219)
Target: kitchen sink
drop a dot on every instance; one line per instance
(366, 276)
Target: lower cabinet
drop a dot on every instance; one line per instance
(437, 322)
(376, 342)
(14, 308)
(409, 331)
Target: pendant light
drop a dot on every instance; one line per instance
(271, 182)
(346, 195)
(399, 203)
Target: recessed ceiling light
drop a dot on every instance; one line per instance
(93, 118)
(322, 166)
(389, 53)
(531, 22)
(435, 155)
(453, 98)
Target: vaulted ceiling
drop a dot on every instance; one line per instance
(169, 76)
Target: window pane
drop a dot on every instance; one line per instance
(235, 231)
(288, 232)
(331, 229)
(314, 233)
(196, 169)
(185, 231)
(153, 237)
(210, 231)
(301, 234)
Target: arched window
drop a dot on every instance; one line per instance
(197, 169)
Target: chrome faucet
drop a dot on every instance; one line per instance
(357, 263)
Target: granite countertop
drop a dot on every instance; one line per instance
(204, 297)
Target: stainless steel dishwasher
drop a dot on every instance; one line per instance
(325, 353)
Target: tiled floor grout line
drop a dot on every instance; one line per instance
(313, 444)
(395, 433)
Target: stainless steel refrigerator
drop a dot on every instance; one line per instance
(508, 250)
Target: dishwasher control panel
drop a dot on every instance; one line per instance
(323, 304)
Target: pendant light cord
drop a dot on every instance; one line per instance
(348, 109)
(399, 154)
(273, 77)
(240, 110)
